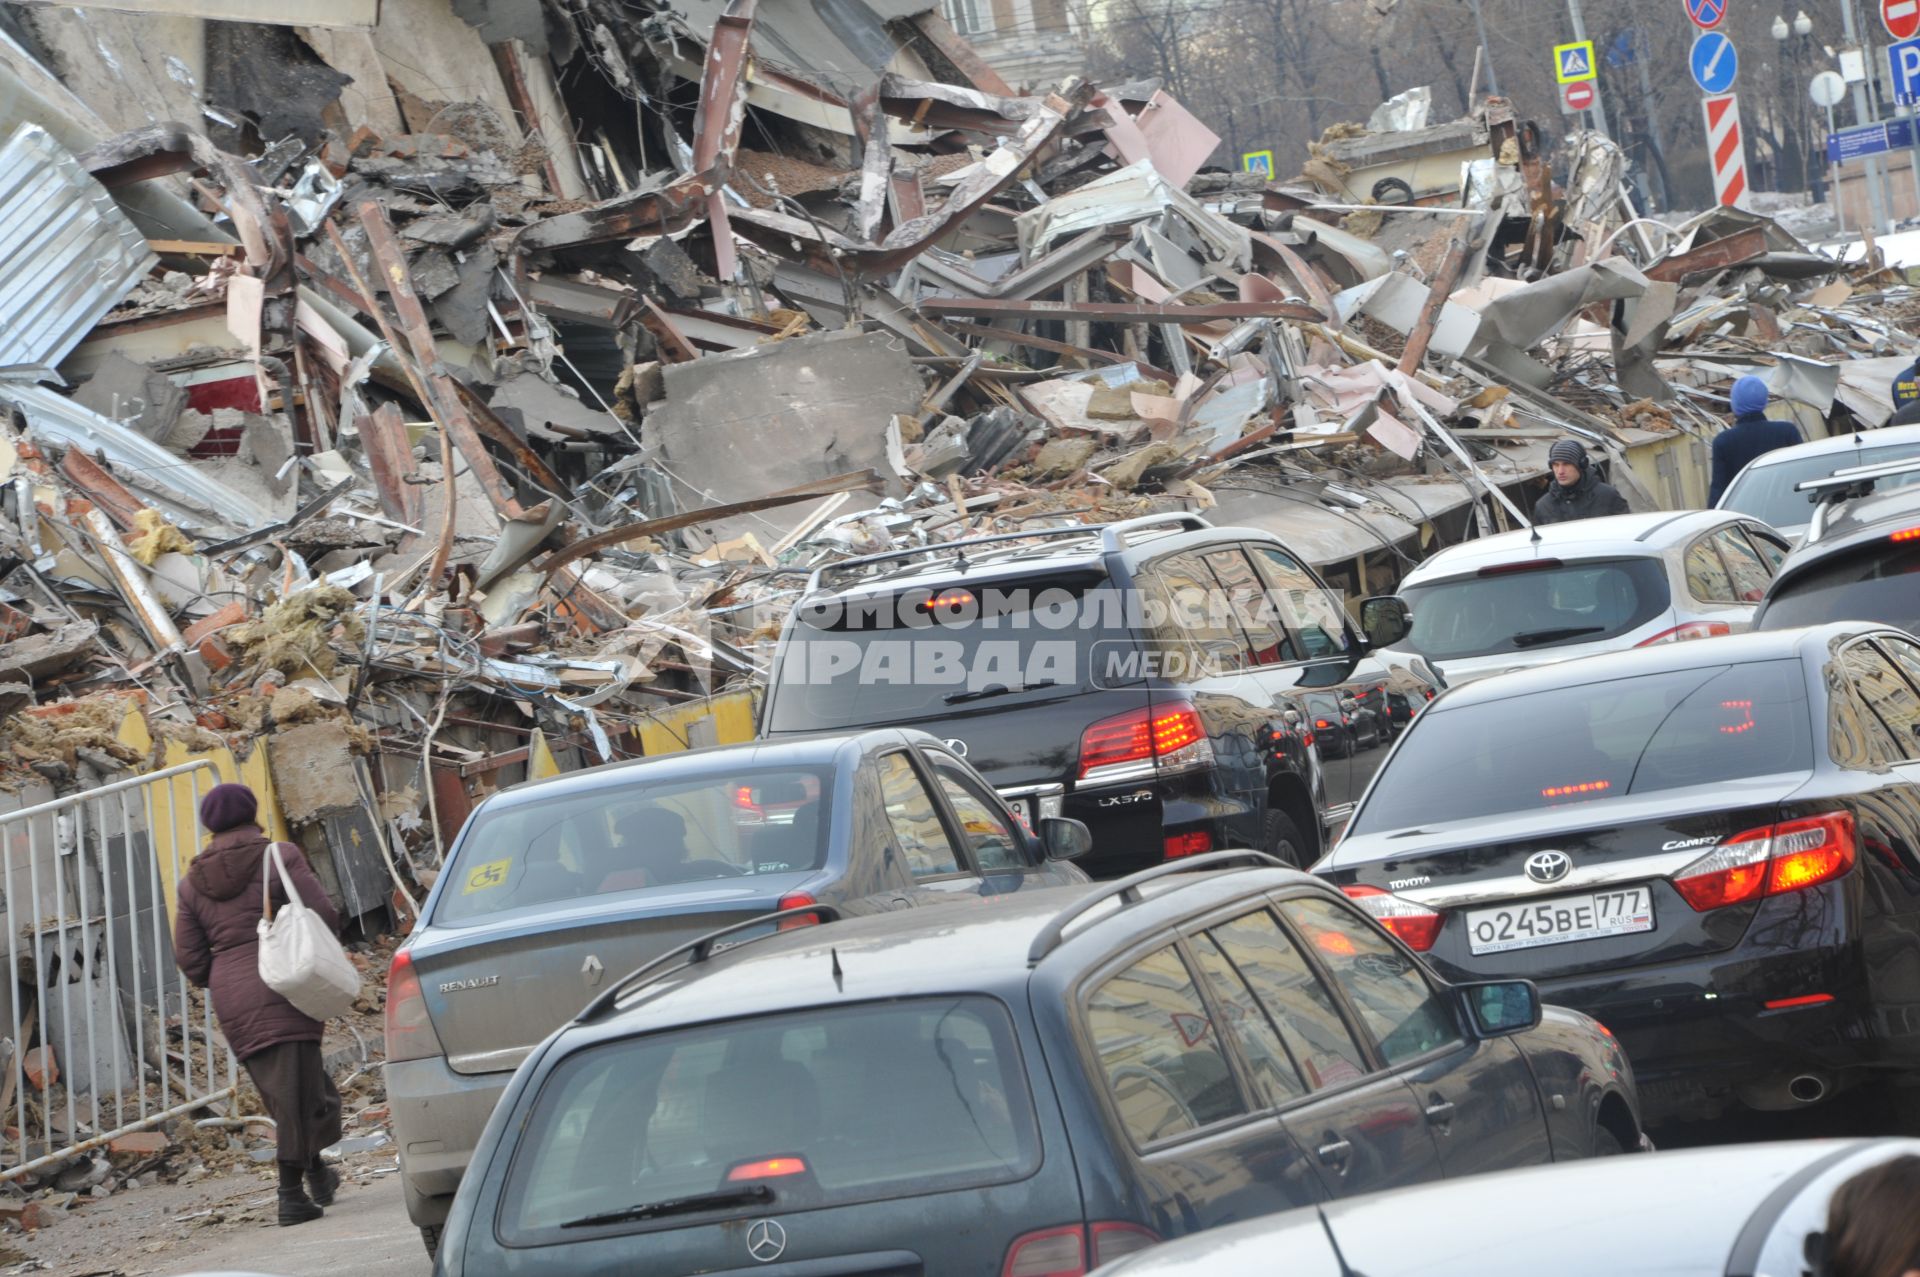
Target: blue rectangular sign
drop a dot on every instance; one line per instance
(1868, 139)
(1903, 67)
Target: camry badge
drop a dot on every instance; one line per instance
(591, 970)
(1549, 866)
(957, 745)
(766, 1240)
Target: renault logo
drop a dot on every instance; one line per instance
(766, 1240)
(590, 970)
(957, 745)
(1549, 866)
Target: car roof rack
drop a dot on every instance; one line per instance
(695, 950)
(1112, 537)
(1829, 491)
(1128, 890)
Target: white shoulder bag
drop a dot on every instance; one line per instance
(299, 957)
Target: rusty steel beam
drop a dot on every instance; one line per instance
(101, 488)
(1117, 312)
(1444, 280)
(1720, 254)
(939, 33)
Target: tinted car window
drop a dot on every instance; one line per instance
(1593, 742)
(1312, 613)
(914, 1096)
(1766, 492)
(1157, 1050)
(995, 843)
(915, 820)
(1275, 1078)
(1771, 550)
(1888, 694)
(1581, 602)
(1707, 579)
(1877, 582)
(899, 658)
(1382, 984)
(1296, 999)
(606, 841)
(1750, 575)
(1259, 619)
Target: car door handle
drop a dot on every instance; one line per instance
(1440, 1112)
(1336, 1153)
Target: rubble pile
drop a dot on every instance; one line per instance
(445, 399)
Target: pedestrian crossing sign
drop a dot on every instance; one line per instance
(1258, 162)
(1573, 62)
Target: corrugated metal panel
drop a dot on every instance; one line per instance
(68, 254)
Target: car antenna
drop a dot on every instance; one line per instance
(1533, 530)
(839, 976)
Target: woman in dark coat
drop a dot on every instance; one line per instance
(216, 943)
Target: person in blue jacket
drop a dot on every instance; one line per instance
(1750, 435)
(1906, 387)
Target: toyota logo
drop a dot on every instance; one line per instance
(1549, 866)
(766, 1240)
(957, 745)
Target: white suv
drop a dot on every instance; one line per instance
(1530, 598)
(1764, 489)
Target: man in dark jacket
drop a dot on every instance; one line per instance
(1750, 435)
(1576, 491)
(216, 944)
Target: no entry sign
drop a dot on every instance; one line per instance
(1902, 18)
(1578, 96)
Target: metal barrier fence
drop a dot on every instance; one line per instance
(93, 971)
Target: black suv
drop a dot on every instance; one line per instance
(1861, 558)
(1160, 679)
(1033, 1086)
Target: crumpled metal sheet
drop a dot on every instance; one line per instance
(68, 255)
(1403, 113)
(1132, 194)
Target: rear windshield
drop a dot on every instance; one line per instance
(612, 841)
(1592, 743)
(820, 1107)
(1882, 584)
(1766, 492)
(1523, 611)
(927, 654)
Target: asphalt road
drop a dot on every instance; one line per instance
(365, 1233)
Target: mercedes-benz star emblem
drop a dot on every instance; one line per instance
(766, 1240)
(1549, 866)
(957, 745)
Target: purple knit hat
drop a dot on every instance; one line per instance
(228, 806)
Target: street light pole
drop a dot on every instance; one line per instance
(1486, 51)
(1580, 33)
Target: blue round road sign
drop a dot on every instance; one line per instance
(1706, 14)
(1714, 62)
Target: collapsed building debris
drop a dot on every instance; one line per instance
(435, 405)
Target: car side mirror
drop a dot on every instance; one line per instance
(1386, 619)
(1064, 838)
(1502, 1007)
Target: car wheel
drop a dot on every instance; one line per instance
(1282, 840)
(1606, 1143)
(430, 1234)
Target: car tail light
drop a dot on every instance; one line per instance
(1141, 742)
(798, 900)
(410, 1034)
(1416, 925)
(1071, 1251)
(1178, 845)
(1771, 860)
(1528, 565)
(1904, 534)
(1691, 630)
(1790, 1004)
(1322, 724)
(767, 1168)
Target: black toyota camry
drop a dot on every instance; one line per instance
(1711, 847)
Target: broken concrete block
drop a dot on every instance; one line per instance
(188, 429)
(450, 230)
(433, 273)
(135, 394)
(313, 773)
(1062, 457)
(37, 655)
(42, 1069)
(1115, 403)
(268, 443)
(140, 1143)
(462, 309)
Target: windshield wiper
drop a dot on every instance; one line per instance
(997, 689)
(677, 1206)
(1533, 637)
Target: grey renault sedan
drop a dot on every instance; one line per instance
(555, 889)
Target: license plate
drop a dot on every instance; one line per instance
(1562, 920)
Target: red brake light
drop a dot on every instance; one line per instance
(798, 900)
(1904, 534)
(1530, 565)
(1788, 1004)
(1322, 724)
(767, 1168)
(1691, 630)
(410, 1034)
(1051, 1252)
(1743, 712)
(1583, 789)
(1416, 925)
(1771, 860)
(956, 600)
(1178, 845)
(1168, 737)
